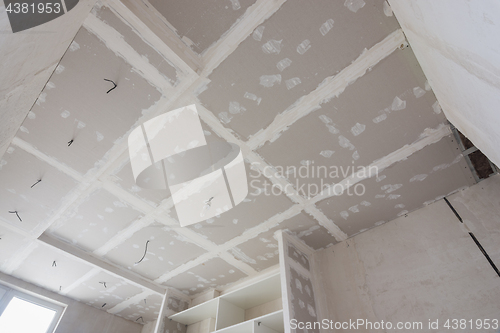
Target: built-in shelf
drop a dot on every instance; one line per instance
(256, 308)
(197, 313)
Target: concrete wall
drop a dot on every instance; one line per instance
(420, 267)
(456, 43)
(79, 317)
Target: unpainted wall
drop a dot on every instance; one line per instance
(456, 45)
(420, 267)
(79, 317)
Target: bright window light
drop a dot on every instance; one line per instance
(22, 316)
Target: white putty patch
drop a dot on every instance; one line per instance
(2, 163)
(344, 214)
(345, 143)
(325, 119)
(403, 212)
(10, 150)
(257, 34)
(31, 115)
(252, 97)
(311, 310)
(235, 221)
(354, 5)
(80, 124)
(365, 203)
(393, 196)
(283, 63)
(380, 178)
(272, 47)
(358, 129)
(354, 209)
(399, 206)
(419, 178)
(270, 80)
(109, 210)
(235, 4)
(41, 98)
(50, 85)
(436, 108)
(327, 153)
(391, 188)
(24, 130)
(74, 46)
(380, 118)
(304, 46)
(225, 118)
(355, 155)
(418, 92)
(242, 256)
(99, 135)
(59, 69)
(292, 82)
(398, 104)
(427, 86)
(325, 27)
(236, 108)
(65, 114)
(120, 204)
(387, 9)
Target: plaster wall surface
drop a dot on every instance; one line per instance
(78, 317)
(29, 58)
(420, 267)
(456, 43)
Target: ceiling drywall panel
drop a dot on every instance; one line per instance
(200, 23)
(261, 252)
(166, 250)
(456, 44)
(266, 74)
(133, 39)
(22, 192)
(75, 106)
(258, 206)
(426, 176)
(147, 308)
(213, 273)
(103, 291)
(50, 269)
(29, 58)
(359, 126)
(11, 243)
(95, 221)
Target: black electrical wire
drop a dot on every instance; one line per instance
(54, 264)
(104, 284)
(15, 212)
(145, 251)
(107, 92)
(39, 180)
(70, 142)
(140, 319)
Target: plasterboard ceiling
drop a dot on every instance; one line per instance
(300, 86)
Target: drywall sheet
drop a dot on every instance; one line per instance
(297, 287)
(98, 218)
(131, 36)
(455, 41)
(166, 250)
(284, 59)
(261, 252)
(19, 172)
(429, 174)
(359, 126)
(103, 291)
(420, 267)
(200, 23)
(75, 105)
(12, 243)
(213, 273)
(147, 308)
(31, 57)
(259, 205)
(50, 269)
